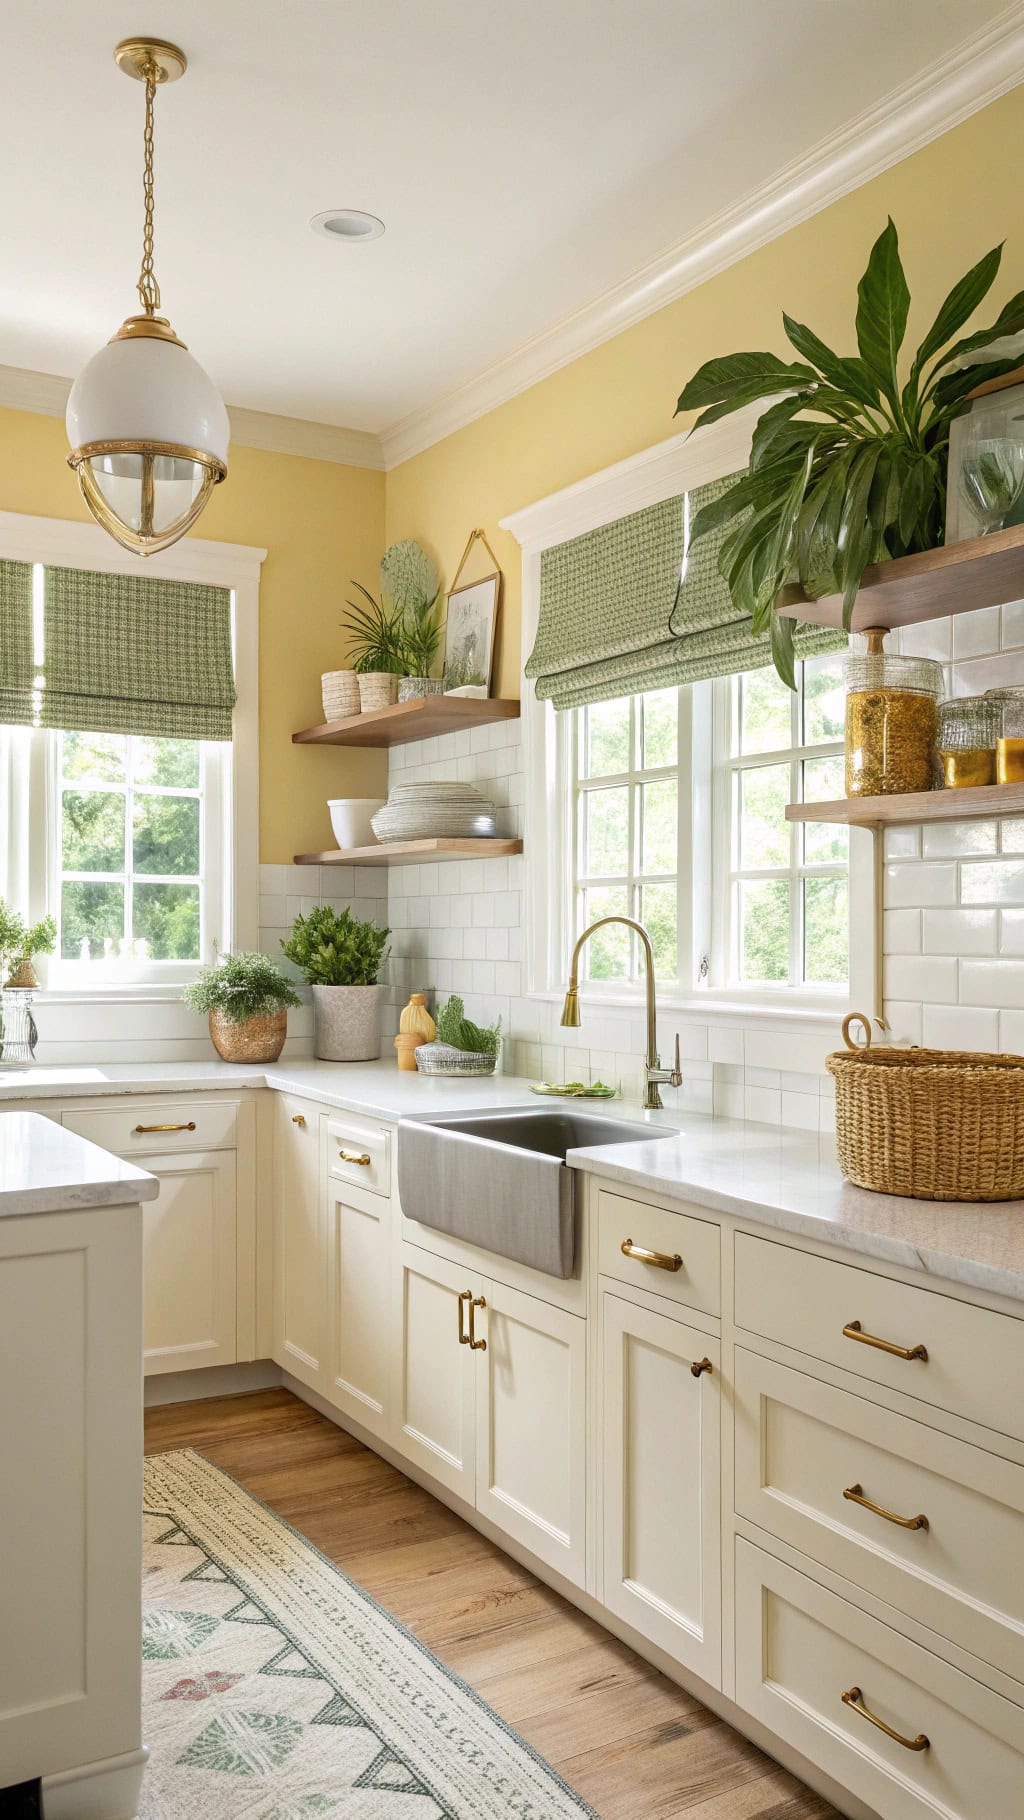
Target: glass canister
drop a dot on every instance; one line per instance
(891, 720)
(968, 726)
(1009, 705)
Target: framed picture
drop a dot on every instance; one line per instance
(469, 636)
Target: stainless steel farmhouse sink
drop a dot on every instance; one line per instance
(499, 1179)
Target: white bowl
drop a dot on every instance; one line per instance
(350, 819)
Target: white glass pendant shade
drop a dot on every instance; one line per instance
(149, 436)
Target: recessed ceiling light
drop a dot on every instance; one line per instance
(348, 225)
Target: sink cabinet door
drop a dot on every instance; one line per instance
(189, 1262)
(359, 1325)
(661, 1482)
(531, 1419)
(300, 1243)
(435, 1375)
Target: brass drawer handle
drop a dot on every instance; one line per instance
(477, 1301)
(660, 1259)
(189, 1127)
(356, 1156)
(701, 1365)
(854, 1331)
(465, 1295)
(855, 1494)
(298, 1118)
(854, 1699)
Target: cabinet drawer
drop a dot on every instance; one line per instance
(799, 1648)
(695, 1281)
(802, 1444)
(359, 1152)
(135, 1127)
(966, 1360)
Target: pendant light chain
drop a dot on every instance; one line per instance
(148, 288)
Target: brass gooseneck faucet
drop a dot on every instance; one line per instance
(654, 1073)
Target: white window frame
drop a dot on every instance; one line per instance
(27, 775)
(662, 472)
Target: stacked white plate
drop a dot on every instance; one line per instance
(430, 811)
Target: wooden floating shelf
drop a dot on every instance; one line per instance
(425, 718)
(412, 852)
(957, 578)
(918, 806)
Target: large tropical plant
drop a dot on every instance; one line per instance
(849, 466)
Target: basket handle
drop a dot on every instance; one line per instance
(858, 1017)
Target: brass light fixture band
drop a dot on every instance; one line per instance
(140, 542)
(135, 57)
(133, 446)
(147, 328)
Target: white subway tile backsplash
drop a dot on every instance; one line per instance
(903, 843)
(959, 1027)
(902, 930)
(1011, 1032)
(925, 977)
(948, 840)
(904, 1021)
(1011, 834)
(909, 886)
(955, 931)
(976, 634)
(1011, 932)
(995, 882)
(992, 983)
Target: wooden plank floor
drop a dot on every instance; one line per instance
(635, 1746)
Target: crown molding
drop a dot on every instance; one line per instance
(967, 79)
(47, 395)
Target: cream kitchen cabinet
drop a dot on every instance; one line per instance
(660, 1479)
(192, 1233)
(491, 1401)
(300, 1241)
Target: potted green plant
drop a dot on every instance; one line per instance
(246, 999)
(376, 645)
(20, 942)
(342, 959)
(461, 1047)
(849, 466)
(409, 580)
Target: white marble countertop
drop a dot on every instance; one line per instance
(764, 1174)
(46, 1169)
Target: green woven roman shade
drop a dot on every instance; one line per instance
(615, 618)
(124, 654)
(17, 669)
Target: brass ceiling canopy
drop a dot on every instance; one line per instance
(137, 56)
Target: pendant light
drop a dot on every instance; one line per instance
(148, 430)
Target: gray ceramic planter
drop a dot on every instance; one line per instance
(346, 1023)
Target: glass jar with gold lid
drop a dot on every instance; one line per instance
(968, 726)
(1009, 705)
(890, 720)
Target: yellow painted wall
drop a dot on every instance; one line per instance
(320, 525)
(950, 202)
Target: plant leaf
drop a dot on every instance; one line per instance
(1009, 321)
(949, 393)
(855, 530)
(818, 530)
(783, 654)
(769, 428)
(962, 302)
(845, 372)
(883, 304)
(734, 379)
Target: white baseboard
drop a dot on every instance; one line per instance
(108, 1790)
(213, 1381)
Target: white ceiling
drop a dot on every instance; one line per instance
(526, 155)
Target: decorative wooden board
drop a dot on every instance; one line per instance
(424, 718)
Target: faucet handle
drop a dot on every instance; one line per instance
(676, 1076)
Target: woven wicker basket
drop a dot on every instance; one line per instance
(934, 1124)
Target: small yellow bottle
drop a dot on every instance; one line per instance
(415, 1026)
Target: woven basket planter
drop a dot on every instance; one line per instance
(255, 1039)
(377, 690)
(340, 691)
(933, 1124)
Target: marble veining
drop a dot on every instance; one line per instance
(47, 1169)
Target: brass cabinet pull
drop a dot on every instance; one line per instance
(465, 1295)
(298, 1118)
(700, 1365)
(189, 1127)
(854, 1331)
(855, 1494)
(356, 1156)
(660, 1259)
(854, 1699)
(477, 1301)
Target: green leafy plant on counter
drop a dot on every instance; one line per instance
(241, 986)
(456, 1029)
(333, 948)
(849, 466)
(20, 941)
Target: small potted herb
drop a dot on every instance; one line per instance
(20, 942)
(246, 998)
(342, 959)
(462, 1047)
(376, 646)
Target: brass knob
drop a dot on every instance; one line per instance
(298, 1118)
(700, 1365)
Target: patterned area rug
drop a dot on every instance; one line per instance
(275, 1689)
